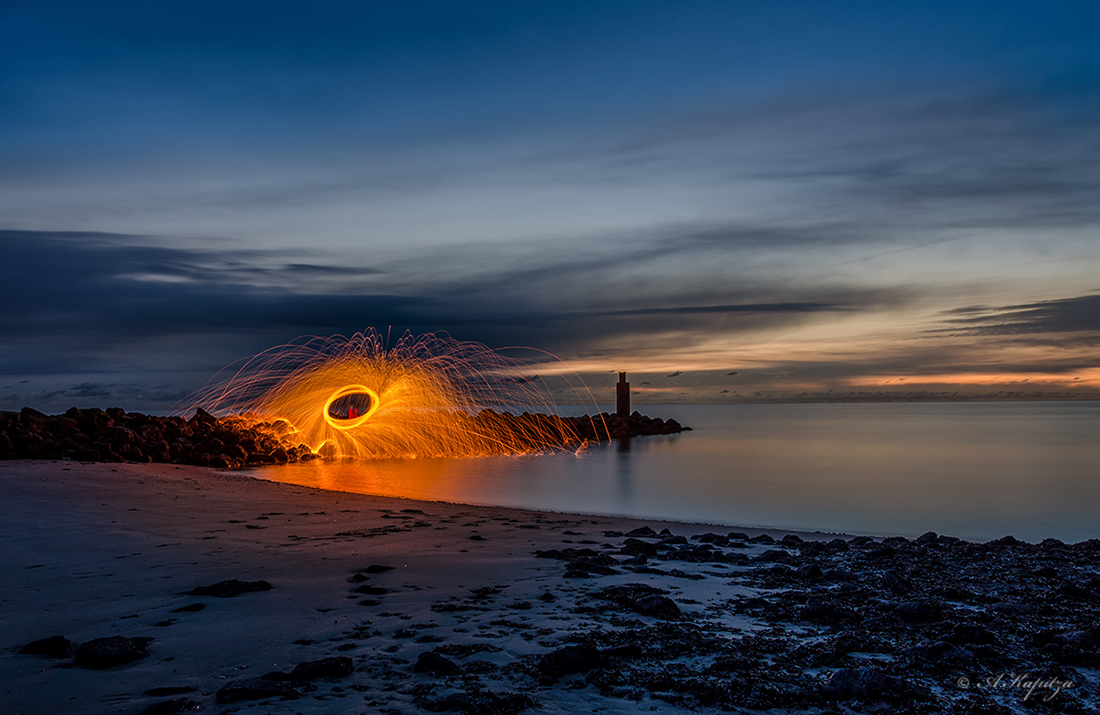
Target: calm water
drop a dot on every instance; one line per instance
(973, 470)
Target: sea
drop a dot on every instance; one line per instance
(974, 470)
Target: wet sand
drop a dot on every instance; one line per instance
(520, 610)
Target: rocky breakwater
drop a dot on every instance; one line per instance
(113, 435)
(606, 426)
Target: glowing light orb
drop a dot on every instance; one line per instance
(425, 396)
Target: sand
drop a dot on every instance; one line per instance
(98, 550)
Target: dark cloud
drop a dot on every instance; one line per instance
(110, 287)
(1069, 315)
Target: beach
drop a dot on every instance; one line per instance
(227, 593)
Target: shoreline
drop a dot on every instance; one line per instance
(504, 609)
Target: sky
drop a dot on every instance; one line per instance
(732, 201)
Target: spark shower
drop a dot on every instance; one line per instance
(424, 396)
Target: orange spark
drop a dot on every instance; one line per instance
(426, 396)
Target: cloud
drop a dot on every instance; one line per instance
(1068, 315)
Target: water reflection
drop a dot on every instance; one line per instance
(977, 471)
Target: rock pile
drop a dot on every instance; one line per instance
(113, 435)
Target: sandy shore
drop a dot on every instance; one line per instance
(649, 623)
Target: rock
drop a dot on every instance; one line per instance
(658, 606)
(571, 659)
(809, 572)
(338, 667)
(175, 706)
(370, 590)
(255, 689)
(929, 537)
(637, 547)
(230, 588)
(189, 608)
(919, 611)
(29, 413)
(825, 611)
(435, 664)
(170, 690)
(942, 654)
(791, 540)
(894, 582)
(643, 531)
(103, 653)
(777, 556)
(54, 647)
(202, 417)
(865, 684)
(482, 702)
(377, 568)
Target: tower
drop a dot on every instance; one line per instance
(622, 396)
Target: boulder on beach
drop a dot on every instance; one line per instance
(103, 653)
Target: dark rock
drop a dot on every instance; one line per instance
(777, 556)
(103, 653)
(894, 582)
(54, 647)
(658, 606)
(626, 651)
(1006, 541)
(370, 590)
(338, 667)
(919, 611)
(838, 575)
(202, 417)
(570, 659)
(230, 588)
(929, 537)
(643, 531)
(190, 608)
(636, 547)
(377, 568)
(175, 706)
(482, 702)
(435, 664)
(737, 536)
(825, 611)
(255, 689)
(809, 572)
(762, 539)
(942, 654)
(791, 540)
(170, 690)
(866, 684)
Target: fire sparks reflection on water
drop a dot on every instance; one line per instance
(425, 396)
